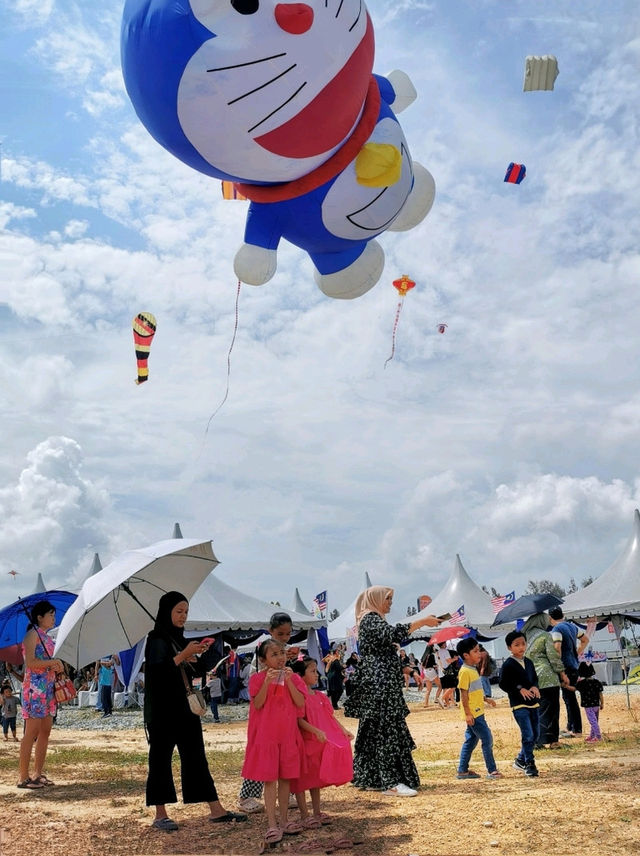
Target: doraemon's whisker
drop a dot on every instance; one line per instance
(339, 7)
(242, 64)
(277, 108)
(262, 86)
(357, 18)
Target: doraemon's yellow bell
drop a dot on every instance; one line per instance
(378, 165)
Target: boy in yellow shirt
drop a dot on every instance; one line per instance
(472, 699)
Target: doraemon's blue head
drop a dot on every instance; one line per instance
(253, 90)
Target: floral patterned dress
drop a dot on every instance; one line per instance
(38, 697)
(382, 757)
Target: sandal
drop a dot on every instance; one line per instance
(273, 835)
(311, 822)
(29, 785)
(324, 819)
(292, 828)
(43, 780)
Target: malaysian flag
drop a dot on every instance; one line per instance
(457, 617)
(320, 605)
(500, 601)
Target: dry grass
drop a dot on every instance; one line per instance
(587, 797)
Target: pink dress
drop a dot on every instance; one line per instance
(274, 743)
(329, 763)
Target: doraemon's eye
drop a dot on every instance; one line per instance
(245, 7)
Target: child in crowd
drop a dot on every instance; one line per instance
(274, 753)
(214, 685)
(9, 712)
(472, 700)
(280, 628)
(591, 699)
(327, 748)
(519, 680)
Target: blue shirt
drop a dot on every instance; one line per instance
(567, 633)
(105, 676)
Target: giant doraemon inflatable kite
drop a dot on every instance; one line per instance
(280, 98)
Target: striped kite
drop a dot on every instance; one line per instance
(144, 329)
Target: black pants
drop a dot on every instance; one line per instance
(106, 700)
(335, 696)
(549, 715)
(186, 734)
(574, 719)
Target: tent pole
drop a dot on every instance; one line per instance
(618, 621)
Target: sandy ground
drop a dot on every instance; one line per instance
(587, 798)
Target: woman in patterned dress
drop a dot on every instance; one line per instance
(382, 758)
(38, 699)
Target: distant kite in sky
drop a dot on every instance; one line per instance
(144, 329)
(13, 574)
(402, 286)
(515, 173)
(540, 72)
(442, 327)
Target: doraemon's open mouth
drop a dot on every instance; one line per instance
(325, 122)
(362, 218)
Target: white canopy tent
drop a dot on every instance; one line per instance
(217, 606)
(298, 604)
(339, 628)
(614, 592)
(460, 590)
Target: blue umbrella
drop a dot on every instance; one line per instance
(525, 606)
(15, 617)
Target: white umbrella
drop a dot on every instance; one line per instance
(116, 607)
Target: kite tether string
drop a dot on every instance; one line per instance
(233, 339)
(393, 337)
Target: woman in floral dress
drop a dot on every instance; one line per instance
(38, 698)
(382, 758)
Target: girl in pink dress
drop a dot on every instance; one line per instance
(275, 751)
(327, 748)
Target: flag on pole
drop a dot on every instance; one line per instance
(457, 617)
(320, 605)
(500, 601)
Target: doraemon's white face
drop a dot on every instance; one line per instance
(279, 88)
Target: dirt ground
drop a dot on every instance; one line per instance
(587, 798)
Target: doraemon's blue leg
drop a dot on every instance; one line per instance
(256, 260)
(350, 273)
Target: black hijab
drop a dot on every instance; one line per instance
(164, 626)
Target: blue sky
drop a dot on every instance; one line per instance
(511, 439)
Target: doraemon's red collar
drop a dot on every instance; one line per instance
(329, 169)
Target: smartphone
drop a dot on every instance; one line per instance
(208, 641)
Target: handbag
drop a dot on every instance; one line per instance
(64, 689)
(194, 697)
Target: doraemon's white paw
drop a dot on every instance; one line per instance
(255, 265)
(405, 90)
(419, 203)
(358, 278)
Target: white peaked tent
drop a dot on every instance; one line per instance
(339, 628)
(217, 606)
(460, 590)
(177, 532)
(40, 586)
(614, 592)
(96, 566)
(298, 605)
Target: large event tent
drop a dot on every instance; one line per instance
(460, 590)
(339, 628)
(298, 604)
(217, 606)
(614, 592)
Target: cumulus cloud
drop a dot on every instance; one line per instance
(50, 516)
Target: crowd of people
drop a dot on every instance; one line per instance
(295, 744)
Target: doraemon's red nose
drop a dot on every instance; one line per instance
(294, 18)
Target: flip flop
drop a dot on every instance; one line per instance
(29, 785)
(273, 835)
(292, 828)
(311, 823)
(323, 818)
(42, 780)
(229, 817)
